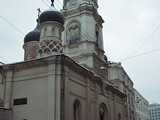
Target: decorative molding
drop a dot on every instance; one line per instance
(85, 9)
(73, 32)
(71, 64)
(50, 47)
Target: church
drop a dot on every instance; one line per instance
(65, 74)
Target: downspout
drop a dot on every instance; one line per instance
(11, 93)
(62, 90)
(3, 73)
(4, 83)
(55, 89)
(12, 83)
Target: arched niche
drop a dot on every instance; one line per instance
(77, 110)
(119, 116)
(73, 32)
(103, 112)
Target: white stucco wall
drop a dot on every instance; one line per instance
(41, 86)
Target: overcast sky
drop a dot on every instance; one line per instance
(131, 36)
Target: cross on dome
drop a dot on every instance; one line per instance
(52, 2)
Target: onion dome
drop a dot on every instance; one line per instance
(32, 36)
(51, 15)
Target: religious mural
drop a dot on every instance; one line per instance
(73, 32)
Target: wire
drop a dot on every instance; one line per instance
(11, 24)
(151, 34)
(148, 37)
(2, 59)
(61, 4)
(88, 36)
(141, 54)
(45, 3)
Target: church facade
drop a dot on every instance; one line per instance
(65, 74)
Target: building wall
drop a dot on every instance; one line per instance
(81, 49)
(91, 96)
(154, 110)
(121, 81)
(5, 114)
(142, 107)
(51, 88)
(87, 26)
(39, 85)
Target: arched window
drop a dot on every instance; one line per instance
(73, 32)
(103, 113)
(119, 116)
(77, 110)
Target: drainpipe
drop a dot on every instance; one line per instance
(3, 73)
(11, 90)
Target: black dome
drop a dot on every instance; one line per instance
(32, 36)
(51, 15)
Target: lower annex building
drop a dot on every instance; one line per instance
(65, 74)
(154, 110)
(141, 106)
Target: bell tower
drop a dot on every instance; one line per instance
(82, 37)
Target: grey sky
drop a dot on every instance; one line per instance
(131, 27)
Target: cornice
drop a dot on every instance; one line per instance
(93, 76)
(31, 63)
(4, 109)
(64, 61)
(83, 42)
(84, 9)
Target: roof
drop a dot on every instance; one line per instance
(1, 63)
(51, 15)
(32, 36)
(63, 60)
